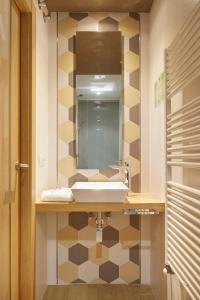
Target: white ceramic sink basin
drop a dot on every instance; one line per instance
(99, 191)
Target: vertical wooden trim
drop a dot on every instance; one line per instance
(27, 282)
(24, 5)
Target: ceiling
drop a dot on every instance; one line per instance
(99, 5)
(98, 87)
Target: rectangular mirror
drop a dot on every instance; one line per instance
(98, 99)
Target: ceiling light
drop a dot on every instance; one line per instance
(99, 77)
(98, 93)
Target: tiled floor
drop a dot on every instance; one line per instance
(98, 292)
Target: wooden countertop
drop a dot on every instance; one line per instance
(134, 200)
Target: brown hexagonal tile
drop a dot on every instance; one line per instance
(67, 236)
(134, 44)
(135, 183)
(129, 237)
(108, 24)
(72, 81)
(109, 271)
(135, 114)
(134, 254)
(135, 221)
(108, 172)
(72, 113)
(78, 281)
(134, 15)
(110, 236)
(135, 149)
(72, 148)
(76, 178)
(78, 254)
(78, 220)
(72, 44)
(78, 16)
(135, 79)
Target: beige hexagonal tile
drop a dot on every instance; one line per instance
(67, 236)
(98, 281)
(87, 236)
(98, 254)
(119, 221)
(98, 16)
(66, 131)
(88, 271)
(129, 272)
(98, 177)
(131, 96)
(68, 272)
(66, 96)
(129, 237)
(129, 27)
(67, 166)
(118, 255)
(134, 165)
(88, 24)
(131, 132)
(66, 62)
(67, 27)
(131, 61)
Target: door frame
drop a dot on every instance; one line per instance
(27, 148)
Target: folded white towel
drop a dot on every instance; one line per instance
(55, 195)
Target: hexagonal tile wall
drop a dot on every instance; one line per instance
(67, 236)
(88, 271)
(68, 272)
(108, 24)
(110, 236)
(78, 220)
(129, 272)
(78, 254)
(109, 271)
(129, 237)
(98, 254)
(76, 234)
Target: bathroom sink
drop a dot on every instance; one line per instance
(111, 192)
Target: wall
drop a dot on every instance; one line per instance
(165, 20)
(41, 146)
(82, 244)
(41, 103)
(68, 24)
(162, 25)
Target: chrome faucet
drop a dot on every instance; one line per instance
(126, 166)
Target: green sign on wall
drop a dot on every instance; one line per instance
(160, 89)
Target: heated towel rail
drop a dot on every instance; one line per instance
(183, 155)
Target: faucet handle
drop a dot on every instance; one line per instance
(122, 163)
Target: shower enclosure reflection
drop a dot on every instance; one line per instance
(99, 120)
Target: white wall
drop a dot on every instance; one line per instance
(41, 103)
(165, 20)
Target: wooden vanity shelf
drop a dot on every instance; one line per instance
(139, 201)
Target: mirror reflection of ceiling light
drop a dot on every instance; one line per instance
(98, 93)
(99, 77)
(106, 88)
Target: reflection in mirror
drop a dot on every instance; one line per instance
(99, 130)
(98, 99)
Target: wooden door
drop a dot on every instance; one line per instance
(4, 150)
(15, 150)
